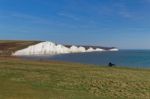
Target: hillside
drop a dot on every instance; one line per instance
(22, 79)
(7, 47)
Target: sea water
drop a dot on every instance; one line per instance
(125, 58)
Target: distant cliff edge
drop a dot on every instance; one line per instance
(50, 48)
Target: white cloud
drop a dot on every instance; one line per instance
(70, 16)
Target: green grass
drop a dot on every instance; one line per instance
(22, 79)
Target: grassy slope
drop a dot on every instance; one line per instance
(7, 47)
(20, 79)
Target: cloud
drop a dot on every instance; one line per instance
(28, 17)
(122, 10)
(70, 16)
(125, 14)
(147, 1)
(23, 17)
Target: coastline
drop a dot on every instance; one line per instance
(50, 48)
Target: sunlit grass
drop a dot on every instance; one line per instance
(22, 79)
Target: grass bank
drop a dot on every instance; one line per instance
(7, 47)
(22, 79)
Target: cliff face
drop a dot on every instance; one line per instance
(50, 48)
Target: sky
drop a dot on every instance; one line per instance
(120, 23)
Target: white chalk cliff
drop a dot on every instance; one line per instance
(50, 48)
(114, 49)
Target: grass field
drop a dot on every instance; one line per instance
(22, 79)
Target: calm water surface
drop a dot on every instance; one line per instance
(128, 58)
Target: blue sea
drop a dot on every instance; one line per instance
(123, 58)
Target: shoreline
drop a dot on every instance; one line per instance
(78, 63)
